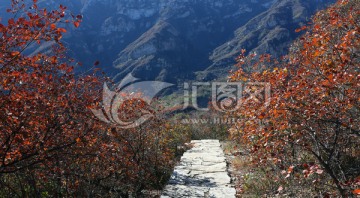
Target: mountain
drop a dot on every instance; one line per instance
(178, 40)
(270, 32)
(164, 40)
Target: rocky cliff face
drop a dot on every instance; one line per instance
(270, 32)
(181, 39)
(182, 36)
(158, 39)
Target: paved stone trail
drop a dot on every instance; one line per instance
(201, 173)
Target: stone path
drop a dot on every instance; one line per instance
(201, 173)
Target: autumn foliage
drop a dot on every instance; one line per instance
(310, 131)
(50, 142)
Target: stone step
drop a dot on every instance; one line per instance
(202, 172)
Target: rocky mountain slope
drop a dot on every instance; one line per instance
(161, 39)
(177, 40)
(270, 32)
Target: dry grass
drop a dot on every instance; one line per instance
(252, 181)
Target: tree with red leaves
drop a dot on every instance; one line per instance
(50, 142)
(312, 124)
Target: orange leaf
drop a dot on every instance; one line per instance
(15, 53)
(356, 191)
(76, 24)
(290, 169)
(325, 83)
(53, 26)
(53, 59)
(331, 77)
(62, 30)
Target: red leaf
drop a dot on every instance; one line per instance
(15, 53)
(62, 30)
(76, 24)
(356, 191)
(53, 26)
(11, 21)
(300, 29)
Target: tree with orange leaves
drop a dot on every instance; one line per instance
(50, 142)
(41, 101)
(314, 109)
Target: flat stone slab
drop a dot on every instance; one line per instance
(202, 172)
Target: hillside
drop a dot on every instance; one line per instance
(170, 40)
